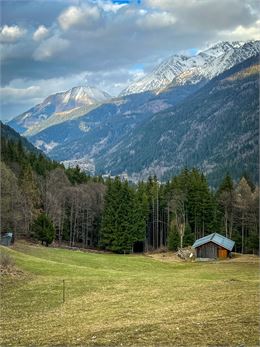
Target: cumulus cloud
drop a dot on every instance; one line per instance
(156, 20)
(22, 94)
(210, 14)
(104, 40)
(50, 48)
(79, 17)
(9, 34)
(243, 33)
(41, 33)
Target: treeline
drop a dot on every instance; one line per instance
(176, 213)
(43, 200)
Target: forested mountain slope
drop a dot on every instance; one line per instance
(85, 138)
(216, 129)
(9, 133)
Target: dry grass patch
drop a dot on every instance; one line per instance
(114, 300)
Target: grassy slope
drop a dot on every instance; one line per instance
(127, 300)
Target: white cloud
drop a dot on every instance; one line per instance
(156, 20)
(210, 15)
(50, 48)
(11, 94)
(78, 17)
(9, 34)
(41, 33)
(170, 4)
(244, 33)
(110, 7)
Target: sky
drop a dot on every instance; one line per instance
(48, 46)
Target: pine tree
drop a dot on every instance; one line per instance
(173, 239)
(226, 185)
(188, 238)
(43, 229)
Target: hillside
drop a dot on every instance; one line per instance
(87, 136)
(216, 130)
(11, 135)
(84, 138)
(114, 300)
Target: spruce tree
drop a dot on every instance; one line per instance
(173, 239)
(116, 219)
(43, 229)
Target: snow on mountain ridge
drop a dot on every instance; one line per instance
(86, 94)
(206, 64)
(221, 47)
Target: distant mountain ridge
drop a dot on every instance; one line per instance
(205, 65)
(215, 129)
(57, 106)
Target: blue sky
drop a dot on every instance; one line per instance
(49, 46)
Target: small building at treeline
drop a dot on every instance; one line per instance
(6, 239)
(213, 246)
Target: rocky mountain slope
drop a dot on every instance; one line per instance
(81, 139)
(58, 108)
(216, 129)
(85, 137)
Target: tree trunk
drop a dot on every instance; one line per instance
(226, 221)
(243, 233)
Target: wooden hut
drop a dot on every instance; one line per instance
(213, 246)
(6, 239)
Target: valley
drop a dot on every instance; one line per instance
(178, 115)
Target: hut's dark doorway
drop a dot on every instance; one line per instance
(138, 247)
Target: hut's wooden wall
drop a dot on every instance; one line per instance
(211, 250)
(222, 252)
(208, 250)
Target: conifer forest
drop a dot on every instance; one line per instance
(42, 200)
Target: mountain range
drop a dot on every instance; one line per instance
(189, 111)
(205, 65)
(216, 130)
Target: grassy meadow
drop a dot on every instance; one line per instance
(127, 300)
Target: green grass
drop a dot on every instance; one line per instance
(117, 300)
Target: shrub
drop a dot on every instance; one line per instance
(6, 260)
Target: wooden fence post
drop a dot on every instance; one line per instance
(63, 291)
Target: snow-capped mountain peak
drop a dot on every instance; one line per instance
(221, 47)
(60, 103)
(205, 65)
(86, 94)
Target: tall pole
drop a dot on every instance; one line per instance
(168, 219)
(153, 226)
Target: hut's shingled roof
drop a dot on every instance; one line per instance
(216, 238)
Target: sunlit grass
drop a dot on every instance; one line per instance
(127, 300)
